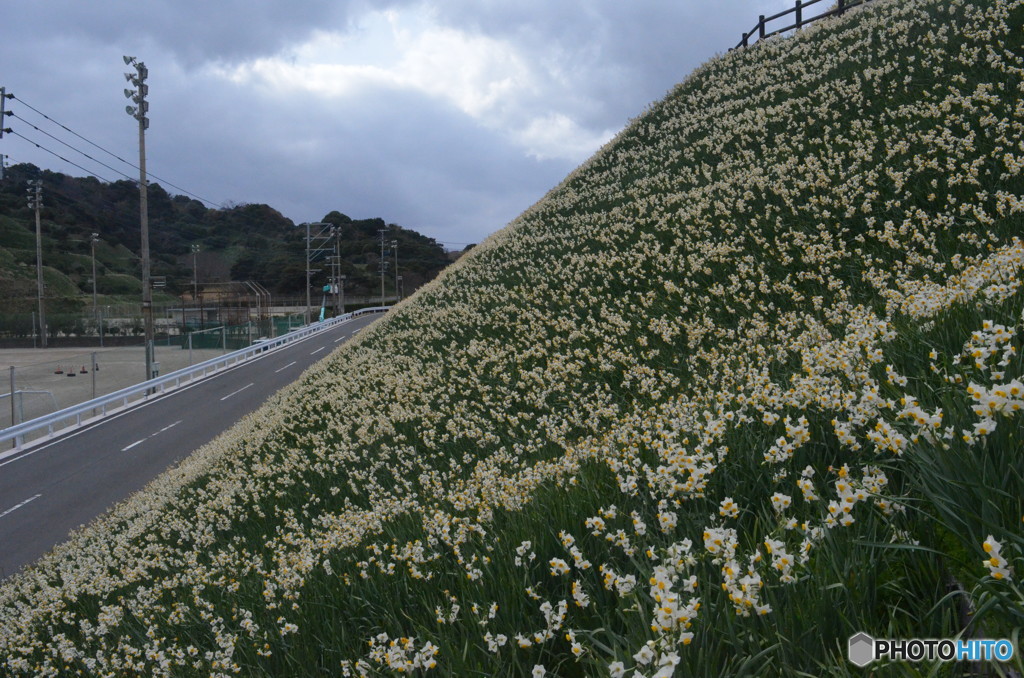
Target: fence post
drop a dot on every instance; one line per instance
(224, 337)
(842, 7)
(190, 349)
(760, 25)
(799, 14)
(94, 376)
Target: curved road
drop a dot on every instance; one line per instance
(51, 489)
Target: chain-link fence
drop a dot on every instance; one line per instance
(39, 382)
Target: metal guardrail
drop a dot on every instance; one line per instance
(72, 417)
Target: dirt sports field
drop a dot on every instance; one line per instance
(46, 380)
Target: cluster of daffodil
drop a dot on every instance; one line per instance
(734, 280)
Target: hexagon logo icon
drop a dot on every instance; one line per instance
(861, 649)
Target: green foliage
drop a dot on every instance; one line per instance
(239, 242)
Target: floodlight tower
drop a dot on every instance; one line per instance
(138, 111)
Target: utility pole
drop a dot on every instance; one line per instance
(95, 315)
(195, 249)
(35, 202)
(341, 286)
(394, 246)
(4, 96)
(382, 263)
(337, 270)
(309, 301)
(3, 159)
(138, 97)
(314, 250)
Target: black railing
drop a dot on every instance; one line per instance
(761, 29)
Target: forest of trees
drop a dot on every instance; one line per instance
(238, 242)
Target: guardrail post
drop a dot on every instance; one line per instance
(799, 14)
(842, 7)
(760, 25)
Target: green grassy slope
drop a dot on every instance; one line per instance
(744, 384)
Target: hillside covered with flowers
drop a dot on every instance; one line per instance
(747, 382)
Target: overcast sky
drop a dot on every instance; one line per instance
(449, 118)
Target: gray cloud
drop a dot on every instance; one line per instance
(411, 156)
(193, 32)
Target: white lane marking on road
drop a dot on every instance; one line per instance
(318, 350)
(15, 508)
(152, 435)
(341, 338)
(236, 392)
(285, 367)
(165, 428)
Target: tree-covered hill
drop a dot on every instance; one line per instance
(239, 242)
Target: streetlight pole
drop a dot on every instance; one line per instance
(138, 96)
(35, 202)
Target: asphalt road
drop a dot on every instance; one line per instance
(54, 488)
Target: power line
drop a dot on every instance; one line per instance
(60, 141)
(111, 153)
(43, 148)
(91, 143)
